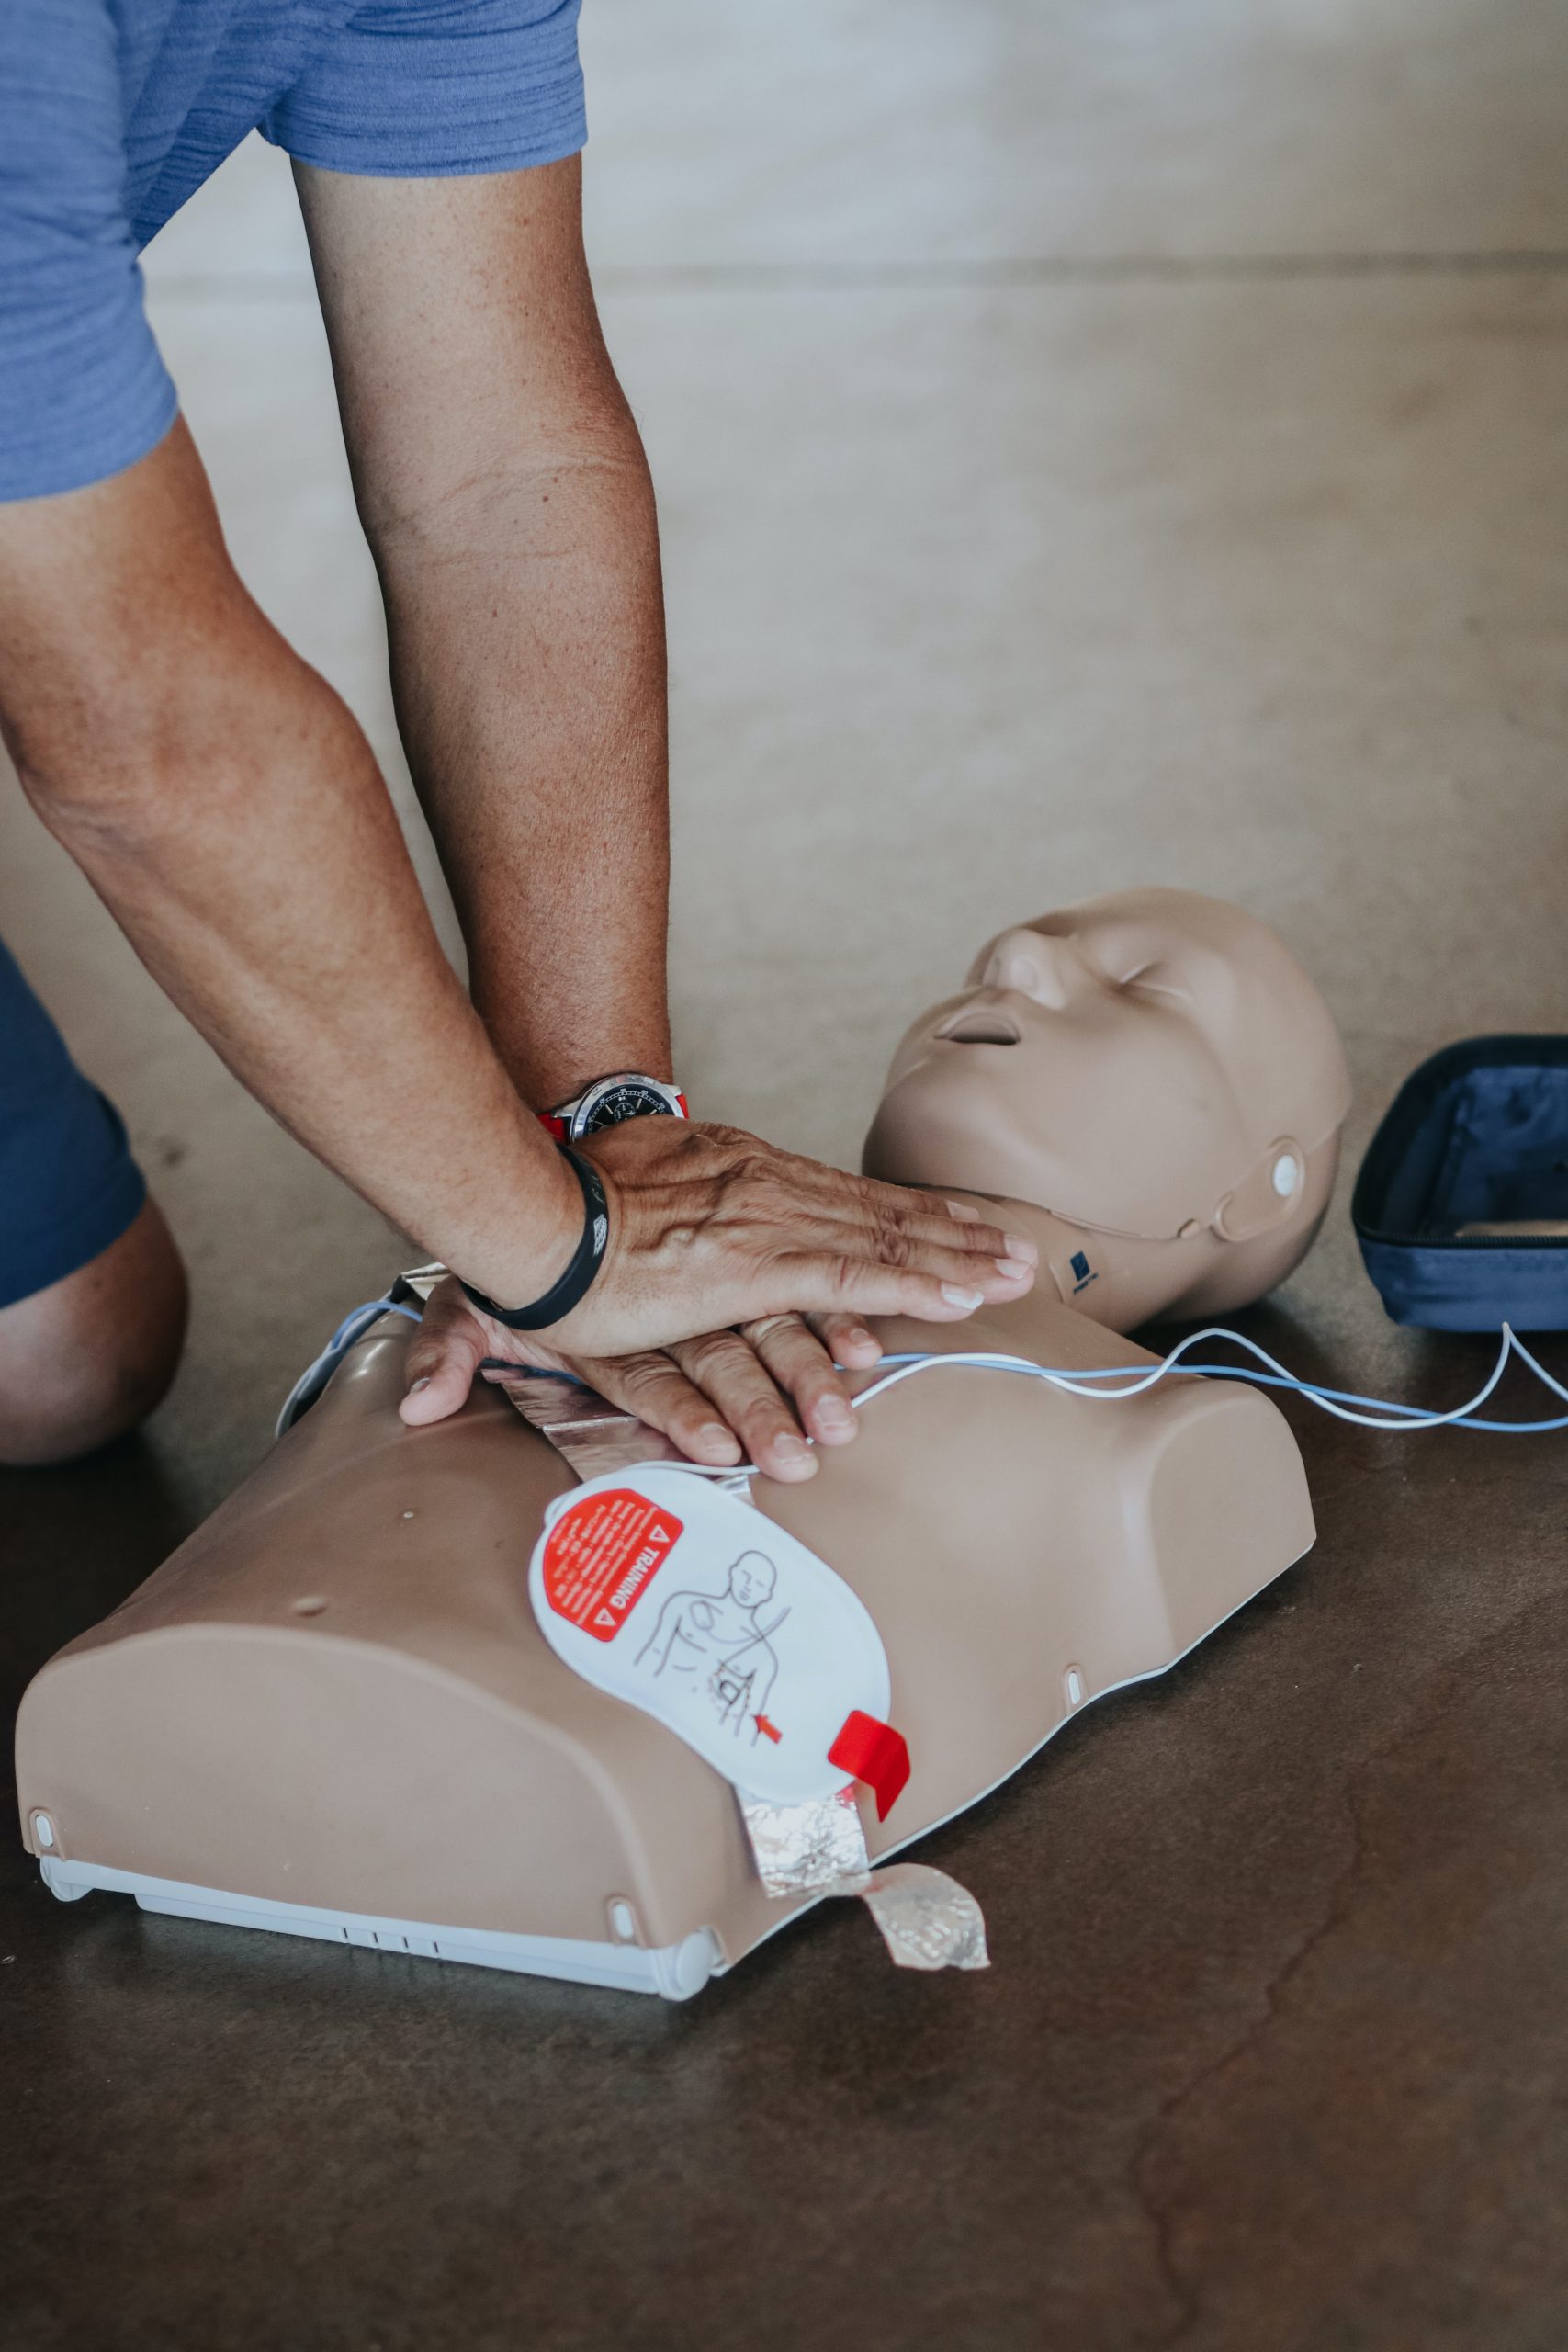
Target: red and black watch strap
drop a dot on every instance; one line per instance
(559, 1123)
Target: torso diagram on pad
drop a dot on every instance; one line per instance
(718, 1646)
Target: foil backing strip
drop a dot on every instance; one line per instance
(803, 1848)
(926, 1920)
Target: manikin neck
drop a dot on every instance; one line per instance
(1114, 1278)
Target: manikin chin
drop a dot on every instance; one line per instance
(332, 1712)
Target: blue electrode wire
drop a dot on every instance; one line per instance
(314, 1378)
(1378, 1413)
(1374, 1413)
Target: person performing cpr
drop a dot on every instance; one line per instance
(643, 1690)
(225, 805)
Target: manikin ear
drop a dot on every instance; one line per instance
(1267, 1196)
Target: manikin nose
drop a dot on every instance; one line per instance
(1032, 964)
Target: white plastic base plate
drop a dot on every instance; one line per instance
(675, 1970)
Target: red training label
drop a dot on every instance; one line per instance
(600, 1557)
(875, 1753)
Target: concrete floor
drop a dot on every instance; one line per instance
(1097, 443)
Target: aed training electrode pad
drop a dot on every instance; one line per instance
(679, 1598)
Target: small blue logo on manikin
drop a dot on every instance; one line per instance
(1083, 1273)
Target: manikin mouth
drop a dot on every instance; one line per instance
(989, 1027)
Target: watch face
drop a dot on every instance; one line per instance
(623, 1098)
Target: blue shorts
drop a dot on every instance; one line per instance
(68, 1184)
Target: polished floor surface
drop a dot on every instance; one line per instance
(1097, 443)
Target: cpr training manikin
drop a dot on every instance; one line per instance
(439, 1691)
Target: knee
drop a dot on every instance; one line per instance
(87, 1359)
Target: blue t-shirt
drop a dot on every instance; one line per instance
(113, 112)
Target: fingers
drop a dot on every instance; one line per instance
(929, 1237)
(803, 1367)
(944, 1253)
(990, 1281)
(768, 1382)
(729, 1370)
(654, 1387)
(887, 1224)
(801, 1193)
(935, 1224)
(975, 1235)
(443, 1358)
(831, 1282)
(917, 1211)
(847, 1341)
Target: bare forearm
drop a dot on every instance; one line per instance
(227, 808)
(528, 659)
(504, 491)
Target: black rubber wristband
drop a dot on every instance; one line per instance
(587, 1259)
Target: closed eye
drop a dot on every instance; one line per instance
(1145, 980)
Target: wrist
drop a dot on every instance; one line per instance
(551, 1302)
(529, 1231)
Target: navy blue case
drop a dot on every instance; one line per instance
(1479, 1134)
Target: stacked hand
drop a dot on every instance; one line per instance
(734, 1284)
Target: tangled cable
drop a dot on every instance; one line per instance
(1378, 1413)
(1374, 1413)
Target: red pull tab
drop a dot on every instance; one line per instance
(874, 1753)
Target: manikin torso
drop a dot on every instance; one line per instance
(335, 1692)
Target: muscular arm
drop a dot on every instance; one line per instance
(227, 808)
(503, 489)
(224, 803)
(505, 494)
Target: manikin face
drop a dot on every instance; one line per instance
(1129, 1063)
(751, 1579)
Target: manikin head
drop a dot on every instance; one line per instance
(751, 1579)
(1153, 1066)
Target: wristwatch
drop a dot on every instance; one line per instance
(627, 1094)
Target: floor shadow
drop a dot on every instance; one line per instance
(74, 1543)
